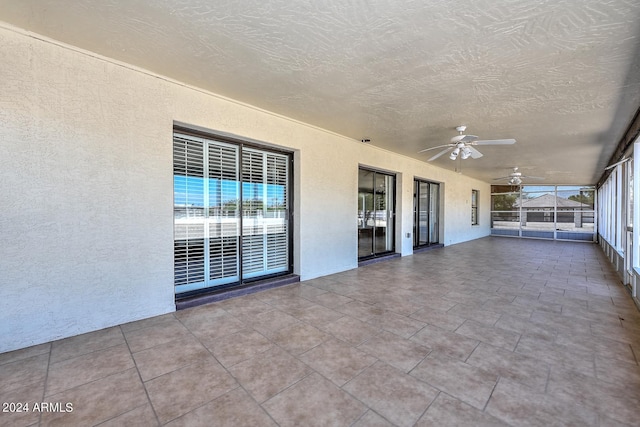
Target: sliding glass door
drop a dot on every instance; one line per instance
(231, 213)
(426, 205)
(376, 213)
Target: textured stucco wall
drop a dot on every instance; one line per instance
(86, 190)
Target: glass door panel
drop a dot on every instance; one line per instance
(366, 221)
(223, 214)
(383, 213)
(434, 209)
(231, 213)
(421, 209)
(376, 213)
(426, 208)
(265, 213)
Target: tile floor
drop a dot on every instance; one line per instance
(493, 332)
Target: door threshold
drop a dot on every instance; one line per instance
(374, 260)
(246, 289)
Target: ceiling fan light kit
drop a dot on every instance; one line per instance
(515, 177)
(462, 145)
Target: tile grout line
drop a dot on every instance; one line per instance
(146, 392)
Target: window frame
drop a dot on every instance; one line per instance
(475, 202)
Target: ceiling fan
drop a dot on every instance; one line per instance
(462, 145)
(515, 177)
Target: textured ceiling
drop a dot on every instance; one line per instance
(560, 76)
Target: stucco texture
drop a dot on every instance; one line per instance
(87, 188)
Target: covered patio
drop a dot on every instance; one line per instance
(494, 331)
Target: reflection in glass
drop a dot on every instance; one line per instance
(425, 212)
(376, 204)
(553, 212)
(216, 189)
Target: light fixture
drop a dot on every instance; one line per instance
(515, 181)
(466, 152)
(454, 153)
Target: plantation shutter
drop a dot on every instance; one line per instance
(253, 227)
(277, 212)
(230, 213)
(224, 212)
(188, 212)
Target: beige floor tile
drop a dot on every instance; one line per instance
(491, 335)
(142, 416)
(398, 352)
(318, 403)
(22, 399)
(85, 343)
(449, 411)
(268, 373)
(400, 325)
(399, 305)
(350, 330)
(25, 353)
(371, 419)
(514, 366)
(555, 354)
(445, 342)
(248, 306)
(178, 392)
(470, 384)
(80, 370)
(161, 333)
(518, 405)
(538, 305)
(168, 357)
(475, 313)
(466, 298)
(560, 323)
(145, 323)
(98, 401)
(270, 322)
(503, 307)
(398, 397)
(337, 361)
(202, 314)
(315, 314)
(360, 310)
(240, 346)
(211, 328)
(600, 345)
(233, 409)
(290, 303)
(299, 338)
(625, 374)
(330, 299)
(24, 372)
(441, 319)
(522, 326)
(614, 400)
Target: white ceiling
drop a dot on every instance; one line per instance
(560, 76)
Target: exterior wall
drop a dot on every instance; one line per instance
(87, 189)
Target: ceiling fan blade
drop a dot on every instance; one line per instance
(433, 148)
(439, 154)
(531, 177)
(463, 138)
(475, 154)
(502, 177)
(494, 142)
